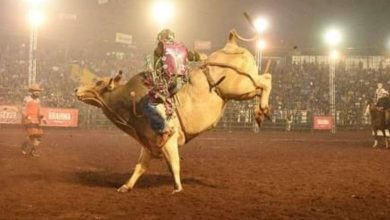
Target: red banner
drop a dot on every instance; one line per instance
(323, 123)
(10, 114)
(55, 117)
(60, 117)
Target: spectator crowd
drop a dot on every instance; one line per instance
(304, 87)
(297, 88)
(54, 73)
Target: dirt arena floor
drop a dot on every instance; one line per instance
(270, 175)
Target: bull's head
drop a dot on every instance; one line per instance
(95, 93)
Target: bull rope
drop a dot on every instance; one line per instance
(132, 94)
(233, 68)
(118, 118)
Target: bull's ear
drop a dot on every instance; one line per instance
(111, 84)
(113, 81)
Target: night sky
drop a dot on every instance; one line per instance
(365, 23)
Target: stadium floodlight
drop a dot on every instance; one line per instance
(261, 24)
(333, 37)
(261, 44)
(35, 18)
(163, 11)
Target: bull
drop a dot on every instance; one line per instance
(227, 74)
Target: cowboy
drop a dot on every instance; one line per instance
(168, 74)
(382, 101)
(380, 92)
(32, 119)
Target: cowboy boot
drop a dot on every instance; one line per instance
(24, 147)
(33, 152)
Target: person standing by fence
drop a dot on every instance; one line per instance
(32, 119)
(382, 101)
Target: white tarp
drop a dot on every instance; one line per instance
(202, 45)
(101, 2)
(67, 16)
(123, 38)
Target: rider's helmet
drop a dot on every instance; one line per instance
(166, 35)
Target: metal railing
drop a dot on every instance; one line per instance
(238, 116)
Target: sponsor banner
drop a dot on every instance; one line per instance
(60, 117)
(55, 117)
(202, 45)
(123, 38)
(67, 16)
(10, 115)
(102, 2)
(323, 123)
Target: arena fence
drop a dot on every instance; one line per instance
(238, 116)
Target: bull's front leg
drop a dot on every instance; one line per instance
(171, 154)
(140, 168)
(386, 139)
(265, 82)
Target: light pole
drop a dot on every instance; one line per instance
(261, 25)
(333, 38)
(261, 44)
(388, 47)
(35, 19)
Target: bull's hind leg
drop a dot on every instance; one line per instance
(140, 168)
(386, 139)
(171, 153)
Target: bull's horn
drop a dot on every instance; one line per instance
(118, 76)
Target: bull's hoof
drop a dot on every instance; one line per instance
(123, 189)
(177, 191)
